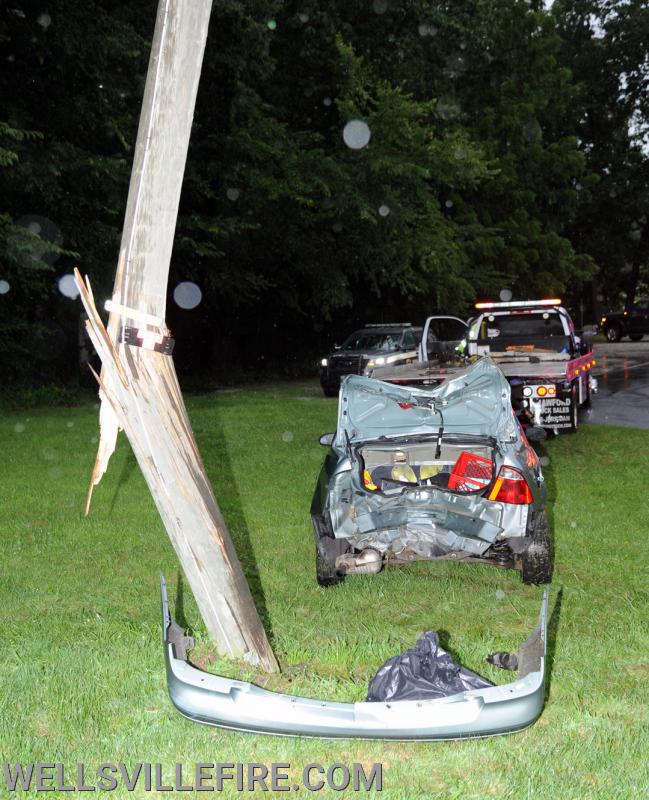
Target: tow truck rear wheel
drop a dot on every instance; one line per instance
(328, 392)
(538, 560)
(327, 549)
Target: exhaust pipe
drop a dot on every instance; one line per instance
(367, 562)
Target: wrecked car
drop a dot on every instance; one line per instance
(456, 704)
(441, 472)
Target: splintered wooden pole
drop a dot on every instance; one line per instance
(139, 389)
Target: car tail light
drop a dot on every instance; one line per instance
(470, 472)
(511, 487)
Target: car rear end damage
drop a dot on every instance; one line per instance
(242, 706)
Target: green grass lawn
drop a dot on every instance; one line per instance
(81, 664)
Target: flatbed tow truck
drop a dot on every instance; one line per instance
(548, 367)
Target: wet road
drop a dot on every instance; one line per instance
(623, 374)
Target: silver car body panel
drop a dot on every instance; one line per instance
(426, 521)
(476, 400)
(242, 706)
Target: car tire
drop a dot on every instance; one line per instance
(537, 561)
(327, 549)
(329, 392)
(613, 333)
(635, 337)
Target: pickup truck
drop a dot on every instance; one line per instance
(632, 322)
(548, 366)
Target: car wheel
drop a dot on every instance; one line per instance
(327, 549)
(613, 333)
(329, 392)
(538, 560)
(635, 337)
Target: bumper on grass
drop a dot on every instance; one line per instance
(238, 705)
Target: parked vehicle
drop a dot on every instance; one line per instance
(430, 473)
(548, 366)
(632, 322)
(373, 345)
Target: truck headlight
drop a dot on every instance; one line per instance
(324, 362)
(527, 391)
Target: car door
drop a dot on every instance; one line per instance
(441, 335)
(638, 320)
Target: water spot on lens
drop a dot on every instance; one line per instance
(532, 132)
(19, 427)
(5, 286)
(34, 241)
(380, 6)
(505, 295)
(272, 24)
(233, 194)
(356, 134)
(44, 20)
(384, 211)
(456, 64)
(68, 287)
(287, 436)
(187, 295)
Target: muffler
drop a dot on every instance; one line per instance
(367, 562)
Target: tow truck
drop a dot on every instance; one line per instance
(548, 366)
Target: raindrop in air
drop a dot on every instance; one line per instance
(505, 295)
(544, 461)
(233, 194)
(336, 227)
(44, 20)
(356, 134)
(19, 427)
(449, 204)
(272, 24)
(380, 6)
(500, 595)
(34, 227)
(303, 17)
(187, 295)
(384, 211)
(68, 287)
(287, 436)
(4, 287)
(327, 101)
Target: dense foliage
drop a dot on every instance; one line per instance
(507, 150)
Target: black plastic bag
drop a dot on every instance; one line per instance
(424, 672)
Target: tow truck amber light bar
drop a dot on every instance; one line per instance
(553, 301)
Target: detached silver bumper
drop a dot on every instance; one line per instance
(242, 706)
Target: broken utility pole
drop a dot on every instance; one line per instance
(138, 386)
